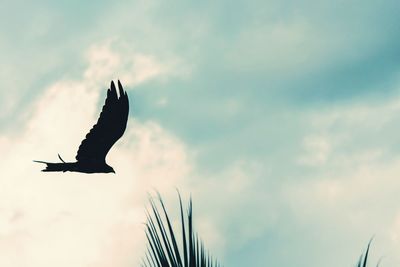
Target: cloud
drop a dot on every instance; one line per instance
(69, 219)
(331, 194)
(349, 191)
(131, 67)
(317, 150)
(234, 206)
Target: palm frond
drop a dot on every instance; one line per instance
(163, 249)
(362, 262)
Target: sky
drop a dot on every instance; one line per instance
(279, 118)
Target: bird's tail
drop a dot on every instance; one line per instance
(57, 167)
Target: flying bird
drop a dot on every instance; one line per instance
(111, 125)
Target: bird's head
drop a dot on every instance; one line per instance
(109, 169)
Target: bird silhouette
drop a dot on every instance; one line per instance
(111, 125)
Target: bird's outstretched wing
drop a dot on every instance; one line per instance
(109, 128)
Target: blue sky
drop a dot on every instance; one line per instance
(281, 115)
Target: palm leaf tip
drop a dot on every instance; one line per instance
(163, 249)
(363, 261)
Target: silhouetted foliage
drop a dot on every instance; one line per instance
(163, 249)
(362, 262)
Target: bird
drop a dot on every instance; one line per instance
(92, 152)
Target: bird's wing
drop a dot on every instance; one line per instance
(109, 128)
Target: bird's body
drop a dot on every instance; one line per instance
(111, 125)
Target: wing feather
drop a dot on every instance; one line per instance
(109, 128)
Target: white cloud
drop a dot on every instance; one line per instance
(70, 219)
(234, 206)
(131, 66)
(317, 150)
(355, 189)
